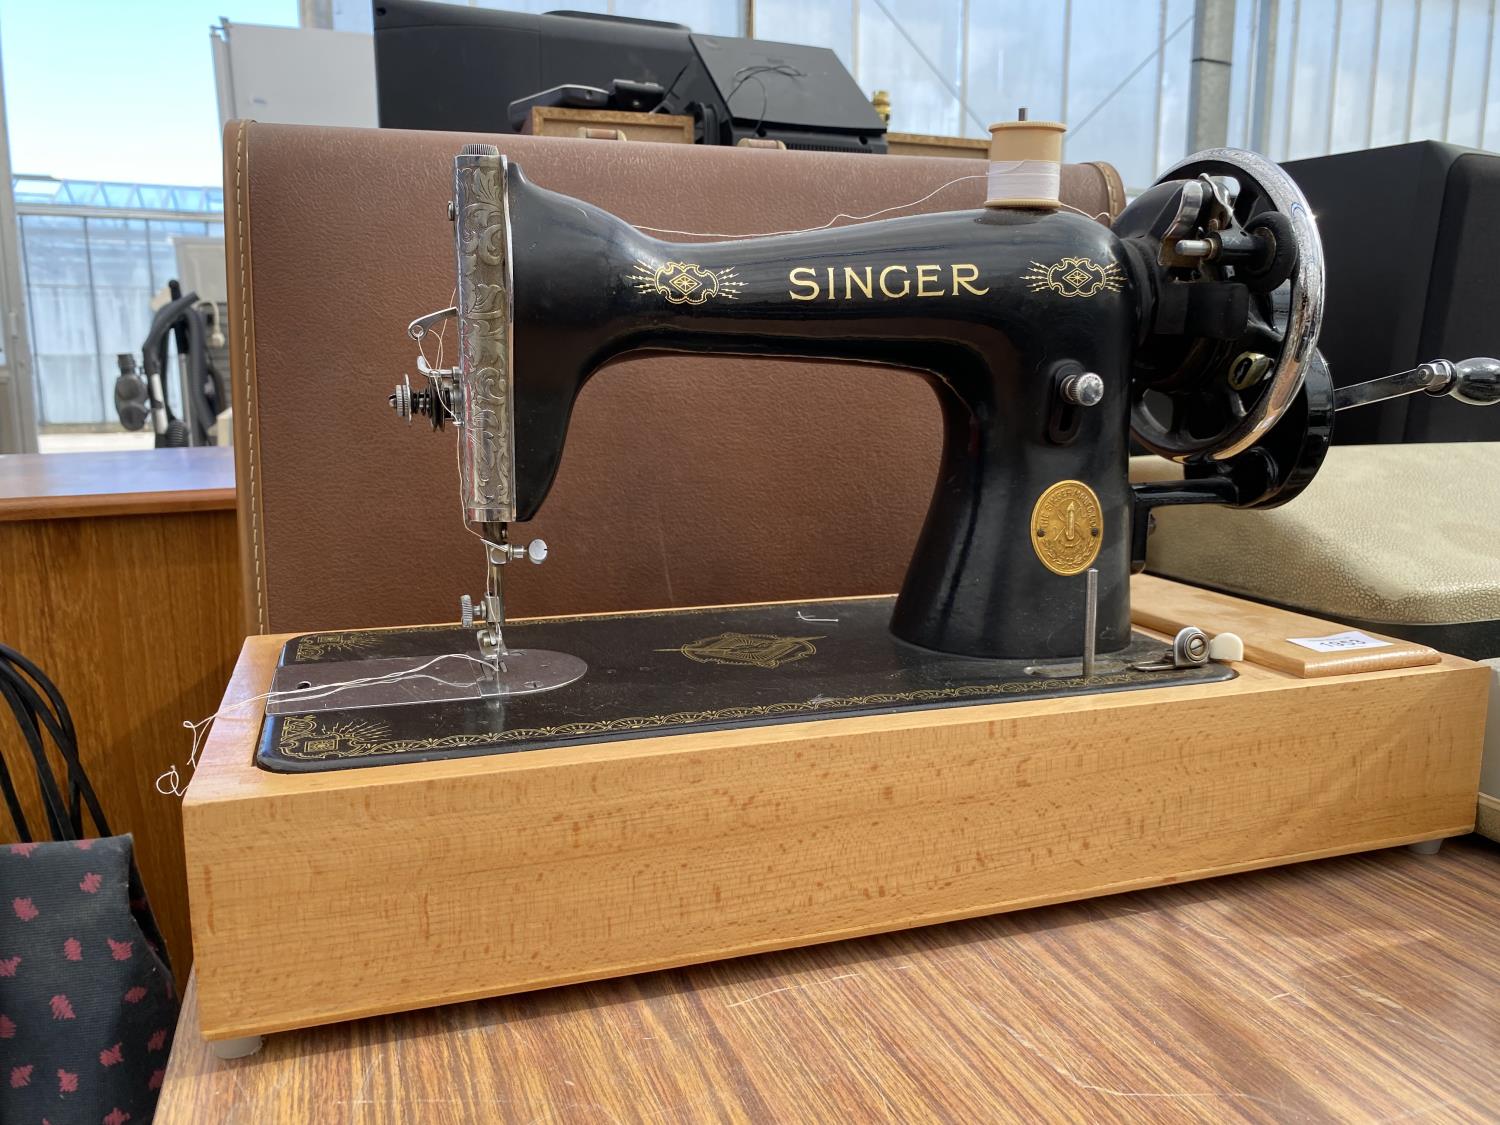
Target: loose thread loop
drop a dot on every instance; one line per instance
(169, 783)
(822, 226)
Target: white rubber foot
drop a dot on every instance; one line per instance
(236, 1048)
(1426, 847)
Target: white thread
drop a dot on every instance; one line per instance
(1102, 216)
(823, 226)
(1024, 179)
(169, 784)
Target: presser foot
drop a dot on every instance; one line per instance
(512, 671)
(492, 670)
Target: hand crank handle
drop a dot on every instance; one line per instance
(1475, 382)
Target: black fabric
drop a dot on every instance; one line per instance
(87, 1003)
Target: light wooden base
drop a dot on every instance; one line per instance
(330, 896)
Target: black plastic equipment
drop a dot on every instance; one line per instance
(445, 66)
(1410, 243)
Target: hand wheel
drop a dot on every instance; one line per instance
(1225, 395)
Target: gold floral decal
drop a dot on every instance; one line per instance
(759, 650)
(1075, 277)
(321, 644)
(685, 283)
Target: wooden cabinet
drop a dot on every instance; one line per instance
(121, 580)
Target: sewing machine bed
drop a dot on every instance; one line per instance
(437, 881)
(674, 672)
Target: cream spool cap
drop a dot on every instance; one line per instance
(1011, 143)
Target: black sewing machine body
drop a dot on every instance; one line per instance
(958, 297)
(1034, 328)
(1051, 341)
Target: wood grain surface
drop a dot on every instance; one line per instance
(1360, 989)
(502, 873)
(925, 144)
(1167, 606)
(137, 619)
(564, 121)
(67, 485)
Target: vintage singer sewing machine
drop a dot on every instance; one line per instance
(574, 798)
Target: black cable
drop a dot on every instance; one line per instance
(205, 403)
(765, 104)
(17, 676)
(52, 802)
(65, 734)
(179, 329)
(13, 803)
(661, 106)
(154, 350)
(218, 397)
(59, 722)
(786, 70)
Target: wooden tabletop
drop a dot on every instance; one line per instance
(119, 482)
(1361, 988)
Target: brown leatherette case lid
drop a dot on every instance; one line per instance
(687, 480)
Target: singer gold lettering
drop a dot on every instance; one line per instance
(892, 282)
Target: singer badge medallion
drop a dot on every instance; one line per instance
(1067, 527)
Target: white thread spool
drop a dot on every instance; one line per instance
(1025, 164)
(1023, 183)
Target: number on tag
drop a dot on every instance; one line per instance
(1340, 642)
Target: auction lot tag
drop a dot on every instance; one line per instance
(1340, 642)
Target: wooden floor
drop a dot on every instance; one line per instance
(1365, 988)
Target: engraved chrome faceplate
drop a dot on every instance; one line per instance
(484, 404)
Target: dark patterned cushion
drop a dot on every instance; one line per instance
(87, 1005)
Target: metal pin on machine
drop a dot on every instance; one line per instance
(1090, 620)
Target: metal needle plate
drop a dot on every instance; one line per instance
(663, 673)
(345, 685)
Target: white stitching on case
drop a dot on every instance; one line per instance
(239, 222)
